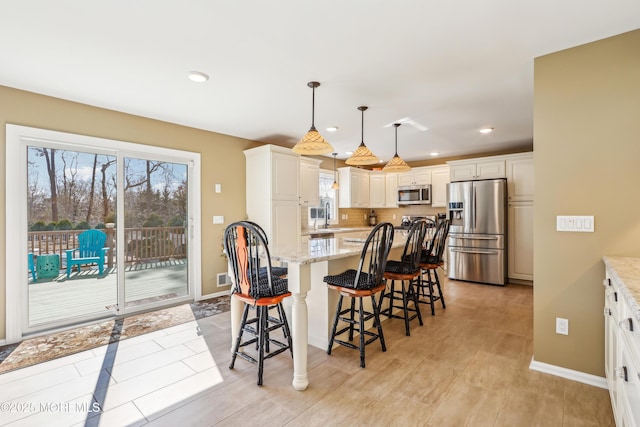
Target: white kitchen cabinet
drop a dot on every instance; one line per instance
(377, 189)
(622, 339)
(439, 181)
(520, 237)
(391, 187)
(520, 178)
(354, 187)
(416, 176)
(272, 192)
(309, 181)
(465, 170)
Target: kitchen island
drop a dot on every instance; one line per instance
(311, 306)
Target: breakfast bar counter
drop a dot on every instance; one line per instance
(311, 307)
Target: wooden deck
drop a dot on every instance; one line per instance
(86, 293)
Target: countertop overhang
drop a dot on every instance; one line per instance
(626, 271)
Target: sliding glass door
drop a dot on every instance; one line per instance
(108, 228)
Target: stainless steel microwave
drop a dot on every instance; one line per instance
(414, 195)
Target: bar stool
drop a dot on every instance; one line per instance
(258, 289)
(407, 271)
(365, 282)
(432, 258)
(276, 271)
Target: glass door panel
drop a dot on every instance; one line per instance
(70, 196)
(155, 231)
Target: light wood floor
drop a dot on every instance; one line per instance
(468, 365)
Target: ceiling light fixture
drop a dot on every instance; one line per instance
(486, 130)
(434, 153)
(362, 155)
(198, 77)
(332, 128)
(313, 143)
(335, 185)
(396, 164)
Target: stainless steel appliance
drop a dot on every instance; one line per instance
(407, 220)
(478, 232)
(414, 195)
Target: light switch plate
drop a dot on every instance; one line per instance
(218, 219)
(580, 224)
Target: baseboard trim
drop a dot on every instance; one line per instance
(569, 374)
(214, 295)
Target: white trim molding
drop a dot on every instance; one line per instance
(569, 374)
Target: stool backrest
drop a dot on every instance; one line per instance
(440, 240)
(373, 258)
(413, 246)
(246, 247)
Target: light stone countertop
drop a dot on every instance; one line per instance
(324, 249)
(336, 230)
(626, 271)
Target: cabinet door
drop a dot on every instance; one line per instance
(309, 183)
(377, 190)
(520, 179)
(520, 240)
(363, 189)
(422, 176)
(285, 224)
(487, 170)
(391, 187)
(439, 181)
(463, 172)
(285, 171)
(406, 178)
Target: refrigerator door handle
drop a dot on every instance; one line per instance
(474, 251)
(476, 237)
(474, 224)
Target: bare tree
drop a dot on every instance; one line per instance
(50, 158)
(92, 188)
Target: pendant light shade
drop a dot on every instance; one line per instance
(313, 143)
(396, 164)
(335, 185)
(362, 155)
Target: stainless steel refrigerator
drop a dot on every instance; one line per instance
(478, 233)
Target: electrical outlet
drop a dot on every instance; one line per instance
(394, 216)
(365, 216)
(562, 326)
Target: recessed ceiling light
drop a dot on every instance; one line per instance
(332, 128)
(198, 77)
(435, 153)
(486, 130)
(348, 153)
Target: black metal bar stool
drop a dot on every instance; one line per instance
(366, 281)
(407, 270)
(432, 258)
(258, 288)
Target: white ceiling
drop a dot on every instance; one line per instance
(453, 66)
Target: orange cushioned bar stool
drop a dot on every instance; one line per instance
(365, 282)
(257, 286)
(406, 271)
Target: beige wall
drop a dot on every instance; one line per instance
(587, 162)
(221, 156)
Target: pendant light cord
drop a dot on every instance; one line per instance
(313, 107)
(396, 125)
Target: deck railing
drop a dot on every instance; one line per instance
(141, 244)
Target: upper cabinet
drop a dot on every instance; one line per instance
(466, 170)
(284, 169)
(354, 187)
(377, 190)
(391, 189)
(309, 181)
(416, 176)
(520, 178)
(439, 181)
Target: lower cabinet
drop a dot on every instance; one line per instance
(520, 249)
(622, 344)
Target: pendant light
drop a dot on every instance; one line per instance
(335, 185)
(362, 155)
(313, 143)
(396, 164)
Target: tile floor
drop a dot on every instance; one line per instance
(468, 365)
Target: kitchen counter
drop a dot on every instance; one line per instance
(337, 230)
(626, 272)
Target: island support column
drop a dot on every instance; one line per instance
(299, 279)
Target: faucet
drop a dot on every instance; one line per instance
(326, 215)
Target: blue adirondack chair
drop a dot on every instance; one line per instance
(91, 250)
